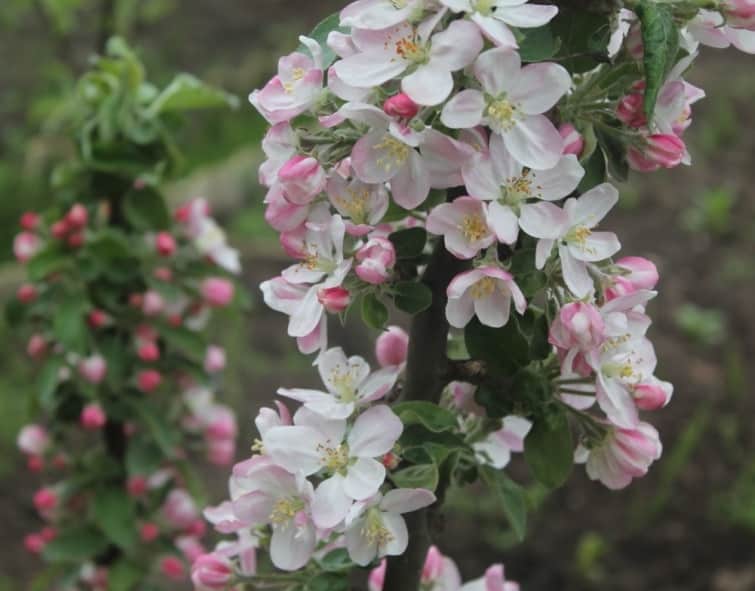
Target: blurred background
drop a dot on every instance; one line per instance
(690, 525)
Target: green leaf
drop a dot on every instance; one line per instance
(145, 210)
(48, 382)
(75, 545)
(549, 450)
(46, 262)
(114, 514)
(320, 34)
(336, 561)
(615, 151)
(143, 457)
(409, 243)
(422, 476)
(187, 341)
(157, 424)
(327, 582)
(505, 348)
(595, 171)
(124, 576)
(412, 297)
(512, 498)
(188, 93)
(374, 312)
(431, 416)
(539, 44)
(583, 38)
(69, 326)
(660, 38)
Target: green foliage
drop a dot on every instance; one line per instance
(660, 38)
(583, 38)
(409, 243)
(549, 449)
(712, 212)
(704, 326)
(431, 416)
(374, 312)
(113, 511)
(512, 499)
(75, 545)
(420, 476)
(320, 34)
(412, 297)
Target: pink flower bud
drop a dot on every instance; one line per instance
(173, 568)
(165, 244)
(148, 532)
(463, 396)
(35, 463)
(574, 143)
(376, 579)
(29, 221)
(578, 325)
(60, 229)
(653, 394)
(212, 571)
(78, 216)
(27, 293)
(148, 351)
(179, 509)
(34, 543)
(98, 318)
(633, 43)
(36, 348)
(643, 273)
(302, 179)
(392, 347)
(136, 486)
(433, 567)
(400, 105)
(75, 240)
(631, 110)
(25, 246)
(148, 380)
(33, 440)
(93, 369)
(217, 292)
(662, 150)
(740, 13)
(376, 259)
(152, 303)
(390, 461)
(197, 528)
(214, 359)
(221, 452)
(45, 500)
(334, 299)
(146, 332)
(163, 274)
(93, 417)
(190, 547)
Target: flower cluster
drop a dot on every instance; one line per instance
(115, 310)
(481, 138)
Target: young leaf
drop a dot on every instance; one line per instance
(124, 576)
(69, 327)
(75, 545)
(46, 262)
(431, 416)
(538, 45)
(186, 93)
(504, 348)
(374, 312)
(114, 513)
(422, 476)
(660, 38)
(412, 297)
(512, 499)
(320, 34)
(145, 210)
(549, 450)
(409, 243)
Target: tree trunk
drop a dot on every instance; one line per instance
(425, 370)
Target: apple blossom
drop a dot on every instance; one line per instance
(214, 359)
(33, 440)
(512, 105)
(93, 417)
(93, 369)
(217, 292)
(574, 142)
(486, 292)
(26, 245)
(496, 448)
(211, 571)
(463, 225)
(375, 261)
(493, 580)
(392, 347)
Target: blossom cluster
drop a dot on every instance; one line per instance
(117, 371)
(404, 127)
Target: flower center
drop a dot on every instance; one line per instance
(579, 235)
(408, 49)
(518, 189)
(374, 531)
(484, 7)
(502, 114)
(393, 153)
(483, 288)
(285, 510)
(355, 204)
(334, 459)
(474, 228)
(343, 381)
(399, 4)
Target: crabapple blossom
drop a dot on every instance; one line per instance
(362, 205)
(496, 448)
(570, 230)
(493, 580)
(377, 527)
(379, 14)
(486, 292)
(302, 179)
(494, 17)
(463, 225)
(93, 369)
(512, 102)
(93, 417)
(574, 143)
(211, 571)
(375, 261)
(217, 292)
(26, 245)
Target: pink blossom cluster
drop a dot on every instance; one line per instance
(424, 114)
(147, 369)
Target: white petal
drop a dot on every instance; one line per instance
(535, 142)
(540, 87)
(331, 503)
(411, 186)
(504, 222)
(593, 206)
(396, 525)
(496, 31)
(457, 46)
(366, 70)
(543, 252)
(429, 85)
(361, 551)
(557, 183)
(364, 479)
(527, 15)
(406, 500)
(494, 310)
(291, 547)
(375, 432)
(543, 220)
(576, 277)
(498, 70)
(464, 110)
(598, 246)
(295, 448)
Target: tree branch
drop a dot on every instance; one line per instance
(425, 379)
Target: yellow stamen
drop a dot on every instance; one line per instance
(474, 227)
(394, 153)
(502, 113)
(355, 204)
(483, 288)
(334, 459)
(285, 510)
(374, 530)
